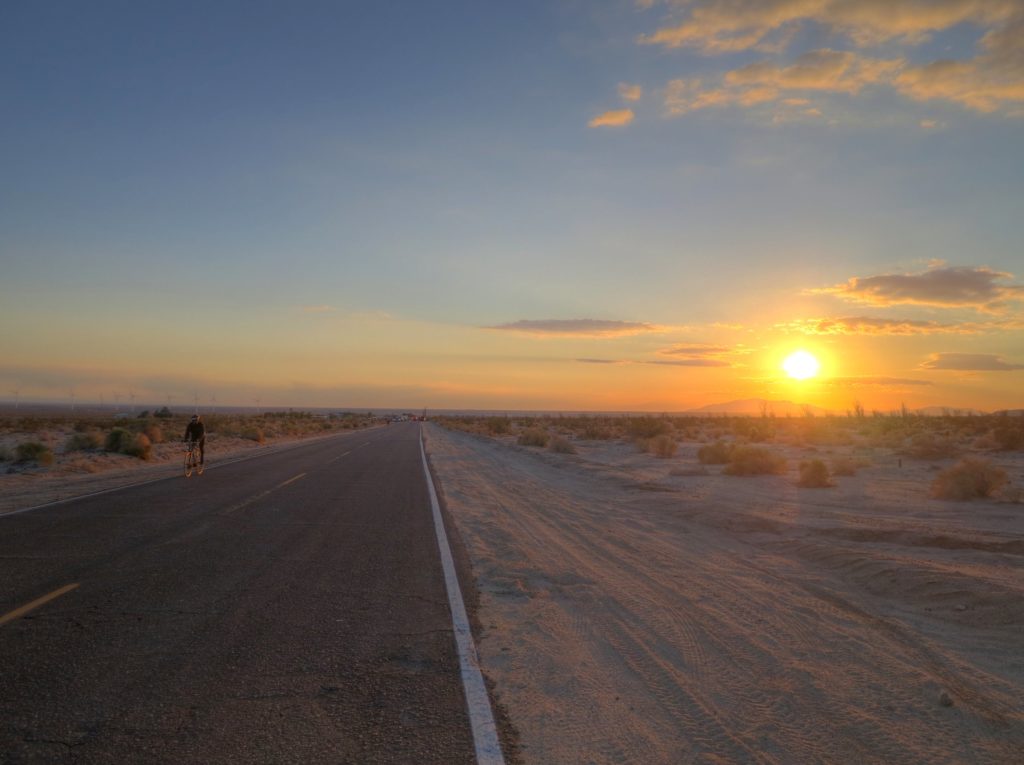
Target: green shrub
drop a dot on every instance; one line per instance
(118, 440)
(533, 437)
(970, 478)
(755, 460)
(561, 445)
(717, 453)
(814, 475)
(79, 442)
(33, 451)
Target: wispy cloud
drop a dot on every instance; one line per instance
(660, 362)
(577, 327)
(990, 81)
(961, 287)
(696, 350)
(970, 362)
(318, 309)
(864, 325)
(874, 382)
(614, 118)
(629, 92)
(728, 26)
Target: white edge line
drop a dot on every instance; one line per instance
(219, 464)
(481, 718)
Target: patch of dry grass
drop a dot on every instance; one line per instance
(755, 460)
(970, 478)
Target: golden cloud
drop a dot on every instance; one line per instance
(727, 26)
(577, 327)
(864, 325)
(979, 288)
(990, 81)
(615, 118)
(969, 362)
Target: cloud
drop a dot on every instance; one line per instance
(873, 382)
(614, 118)
(986, 83)
(959, 287)
(969, 362)
(990, 81)
(729, 26)
(577, 327)
(630, 92)
(863, 325)
(318, 309)
(691, 363)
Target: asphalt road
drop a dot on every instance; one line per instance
(286, 608)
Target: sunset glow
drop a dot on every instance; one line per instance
(618, 205)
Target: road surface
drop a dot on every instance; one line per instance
(286, 608)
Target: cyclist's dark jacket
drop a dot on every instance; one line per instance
(196, 431)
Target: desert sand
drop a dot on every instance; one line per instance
(646, 610)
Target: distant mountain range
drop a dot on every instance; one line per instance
(759, 406)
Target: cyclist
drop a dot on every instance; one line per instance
(196, 431)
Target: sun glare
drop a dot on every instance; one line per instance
(801, 365)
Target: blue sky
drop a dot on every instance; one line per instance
(352, 204)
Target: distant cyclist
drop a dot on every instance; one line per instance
(196, 431)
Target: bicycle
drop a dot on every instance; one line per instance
(192, 461)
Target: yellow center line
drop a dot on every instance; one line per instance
(262, 494)
(19, 612)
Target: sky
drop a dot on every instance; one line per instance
(562, 204)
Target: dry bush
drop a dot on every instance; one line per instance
(561, 445)
(663, 446)
(755, 460)
(931, 446)
(1009, 437)
(84, 441)
(968, 479)
(814, 475)
(533, 437)
(717, 453)
(254, 434)
(646, 427)
(154, 433)
(6, 455)
(33, 451)
(139, 446)
(118, 440)
(498, 426)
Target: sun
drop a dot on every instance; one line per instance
(801, 365)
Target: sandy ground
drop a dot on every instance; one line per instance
(635, 610)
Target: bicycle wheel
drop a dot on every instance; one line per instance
(200, 467)
(188, 463)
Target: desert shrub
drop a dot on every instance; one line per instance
(33, 451)
(533, 437)
(593, 431)
(813, 475)
(968, 479)
(561, 445)
(253, 434)
(163, 412)
(714, 454)
(930, 446)
(1008, 437)
(663, 446)
(118, 440)
(646, 427)
(6, 455)
(154, 433)
(498, 426)
(755, 460)
(139, 446)
(90, 439)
